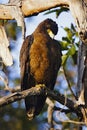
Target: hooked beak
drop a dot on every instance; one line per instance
(51, 34)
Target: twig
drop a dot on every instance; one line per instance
(69, 85)
(5, 81)
(72, 121)
(64, 103)
(50, 112)
(62, 110)
(7, 88)
(13, 90)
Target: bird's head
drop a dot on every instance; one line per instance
(49, 26)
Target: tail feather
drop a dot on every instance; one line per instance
(30, 113)
(34, 105)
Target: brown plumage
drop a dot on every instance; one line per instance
(40, 60)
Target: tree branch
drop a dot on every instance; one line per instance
(37, 90)
(50, 112)
(61, 99)
(62, 110)
(21, 95)
(78, 9)
(68, 82)
(30, 7)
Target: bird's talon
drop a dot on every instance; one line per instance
(40, 85)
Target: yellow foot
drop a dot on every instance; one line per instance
(40, 86)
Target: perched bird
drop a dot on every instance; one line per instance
(40, 60)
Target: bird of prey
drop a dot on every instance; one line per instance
(40, 60)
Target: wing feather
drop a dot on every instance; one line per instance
(24, 62)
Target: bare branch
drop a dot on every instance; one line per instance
(30, 7)
(7, 88)
(69, 84)
(72, 121)
(21, 95)
(50, 112)
(13, 90)
(35, 91)
(5, 81)
(62, 110)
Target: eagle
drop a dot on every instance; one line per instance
(40, 60)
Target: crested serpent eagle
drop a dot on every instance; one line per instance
(40, 60)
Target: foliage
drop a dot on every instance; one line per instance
(69, 43)
(58, 11)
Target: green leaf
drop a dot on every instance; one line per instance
(66, 39)
(64, 59)
(73, 27)
(69, 33)
(64, 45)
(71, 51)
(58, 11)
(62, 9)
(51, 11)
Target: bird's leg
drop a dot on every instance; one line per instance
(40, 87)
